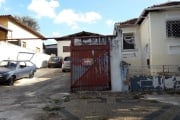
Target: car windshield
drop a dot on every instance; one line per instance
(8, 64)
(54, 59)
(67, 59)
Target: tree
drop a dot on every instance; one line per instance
(32, 23)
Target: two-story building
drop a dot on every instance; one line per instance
(16, 37)
(153, 38)
(16, 29)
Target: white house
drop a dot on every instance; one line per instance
(16, 37)
(154, 37)
(18, 31)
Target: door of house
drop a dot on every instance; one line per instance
(90, 65)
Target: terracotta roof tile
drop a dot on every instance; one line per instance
(128, 23)
(77, 35)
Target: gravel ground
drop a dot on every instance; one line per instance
(47, 97)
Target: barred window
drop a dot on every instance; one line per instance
(173, 28)
(128, 41)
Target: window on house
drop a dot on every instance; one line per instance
(128, 41)
(24, 44)
(173, 28)
(66, 48)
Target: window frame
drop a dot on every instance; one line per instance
(170, 28)
(133, 36)
(66, 49)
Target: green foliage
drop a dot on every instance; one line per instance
(30, 22)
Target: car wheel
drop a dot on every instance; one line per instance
(31, 75)
(11, 81)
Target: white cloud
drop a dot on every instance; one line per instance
(44, 7)
(1, 2)
(110, 23)
(72, 19)
(55, 34)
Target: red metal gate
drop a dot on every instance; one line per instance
(90, 64)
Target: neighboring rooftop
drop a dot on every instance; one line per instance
(16, 21)
(135, 21)
(127, 23)
(159, 7)
(77, 35)
(172, 3)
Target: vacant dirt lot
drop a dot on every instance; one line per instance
(48, 97)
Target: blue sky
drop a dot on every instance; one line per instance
(62, 17)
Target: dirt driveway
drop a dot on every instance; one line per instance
(27, 97)
(47, 97)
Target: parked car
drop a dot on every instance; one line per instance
(11, 70)
(66, 65)
(55, 61)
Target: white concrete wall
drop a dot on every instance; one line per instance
(60, 45)
(161, 53)
(145, 37)
(10, 51)
(115, 58)
(117, 83)
(18, 32)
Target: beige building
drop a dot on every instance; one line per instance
(153, 38)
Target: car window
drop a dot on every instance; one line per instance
(67, 59)
(9, 64)
(22, 64)
(3, 63)
(12, 64)
(29, 64)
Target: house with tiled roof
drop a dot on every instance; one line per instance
(153, 38)
(16, 32)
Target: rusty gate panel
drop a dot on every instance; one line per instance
(90, 67)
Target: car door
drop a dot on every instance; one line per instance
(21, 69)
(30, 68)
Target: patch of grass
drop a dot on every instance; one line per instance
(56, 101)
(153, 101)
(51, 108)
(84, 97)
(66, 98)
(101, 118)
(136, 97)
(95, 118)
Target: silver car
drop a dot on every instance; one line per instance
(66, 64)
(11, 70)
